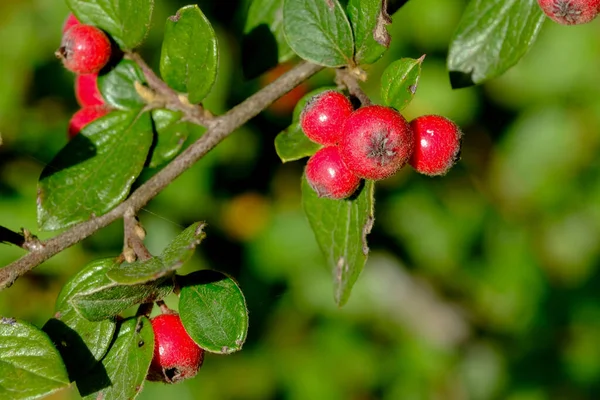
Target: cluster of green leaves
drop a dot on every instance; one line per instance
(87, 341)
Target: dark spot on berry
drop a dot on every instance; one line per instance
(380, 149)
(171, 374)
(565, 9)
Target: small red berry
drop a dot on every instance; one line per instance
(83, 117)
(84, 49)
(324, 115)
(86, 90)
(376, 142)
(176, 355)
(328, 175)
(437, 144)
(570, 12)
(70, 22)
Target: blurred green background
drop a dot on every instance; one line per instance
(483, 284)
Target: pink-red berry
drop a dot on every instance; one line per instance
(324, 115)
(70, 22)
(176, 355)
(376, 142)
(570, 12)
(327, 174)
(84, 49)
(437, 144)
(83, 117)
(86, 90)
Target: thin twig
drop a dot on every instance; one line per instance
(134, 238)
(345, 78)
(219, 129)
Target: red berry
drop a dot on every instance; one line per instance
(570, 12)
(376, 142)
(70, 22)
(328, 175)
(83, 117)
(437, 144)
(84, 49)
(324, 115)
(176, 355)
(86, 90)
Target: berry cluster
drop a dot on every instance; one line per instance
(84, 50)
(570, 12)
(373, 142)
(176, 355)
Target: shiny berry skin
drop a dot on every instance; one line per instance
(176, 355)
(70, 22)
(324, 115)
(84, 49)
(376, 142)
(570, 12)
(87, 92)
(83, 117)
(327, 175)
(437, 144)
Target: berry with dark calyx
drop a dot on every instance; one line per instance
(327, 174)
(324, 115)
(70, 22)
(83, 117)
(176, 355)
(437, 144)
(84, 49)
(376, 142)
(570, 12)
(86, 90)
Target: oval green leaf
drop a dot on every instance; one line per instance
(117, 86)
(189, 55)
(399, 82)
(127, 21)
(318, 31)
(122, 373)
(491, 37)
(30, 366)
(171, 133)
(83, 180)
(341, 228)
(368, 21)
(213, 311)
(81, 343)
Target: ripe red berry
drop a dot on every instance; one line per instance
(86, 90)
(376, 142)
(570, 12)
(83, 117)
(324, 115)
(70, 22)
(437, 144)
(84, 49)
(328, 175)
(176, 355)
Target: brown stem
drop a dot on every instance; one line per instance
(134, 238)
(219, 129)
(346, 78)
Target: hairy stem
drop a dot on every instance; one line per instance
(218, 129)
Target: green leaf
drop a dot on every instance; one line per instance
(94, 171)
(127, 21)
(122, 373)
(81, 343)
(30, 366)
(264, 44)
(341, 228)
(399, 82)
(318, 31)
(112, 299)
(117, 86)
(213, 311)
(171, 134)
(172, 258)
(367, 23)
(491, 37)
(189, 56)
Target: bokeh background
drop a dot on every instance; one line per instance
(483, 284)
